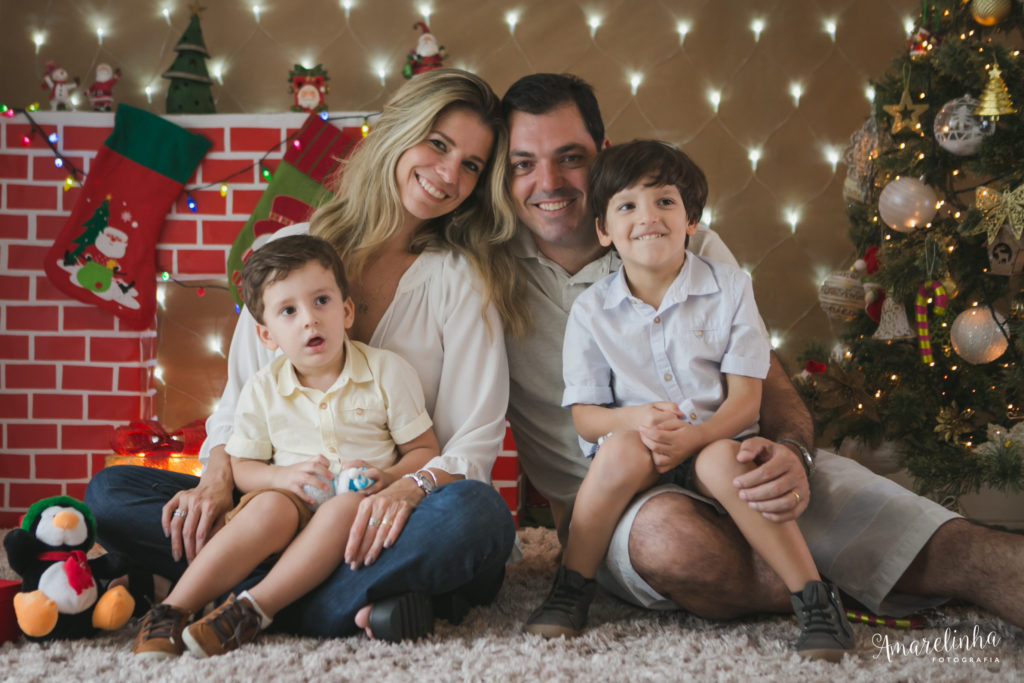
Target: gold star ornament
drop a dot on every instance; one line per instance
(905, 115)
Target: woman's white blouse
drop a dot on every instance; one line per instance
(437, 323)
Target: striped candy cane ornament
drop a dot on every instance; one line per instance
(924, 343)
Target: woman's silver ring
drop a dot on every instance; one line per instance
(374, 522)
(180, 513)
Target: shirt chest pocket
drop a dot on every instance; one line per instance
(707, 341)
(364, 416)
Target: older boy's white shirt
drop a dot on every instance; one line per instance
(620, 351)
(544, 433)
(375, 403)
(434, 322)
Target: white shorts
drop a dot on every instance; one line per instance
(863, 531)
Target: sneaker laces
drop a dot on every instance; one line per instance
(563, 596)
(818, 618)
(161, 622)
(229, 620)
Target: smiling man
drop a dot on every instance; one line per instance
(670, 551)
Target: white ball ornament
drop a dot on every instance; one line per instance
(907, 203)
(958, 130)
(842, 295)
(977, 336)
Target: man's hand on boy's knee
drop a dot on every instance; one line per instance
(777, 487)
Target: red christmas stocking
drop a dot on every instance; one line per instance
(105, 254)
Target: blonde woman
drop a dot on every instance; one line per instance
(420, 218)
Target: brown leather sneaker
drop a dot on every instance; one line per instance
(226, 628)
(160, 633)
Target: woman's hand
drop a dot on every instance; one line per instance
(193, 516)
(380, 520)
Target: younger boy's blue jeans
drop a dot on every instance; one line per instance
(457, 539)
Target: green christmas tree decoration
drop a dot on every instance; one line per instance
(93, 227)
(939, 398)
(189, 92)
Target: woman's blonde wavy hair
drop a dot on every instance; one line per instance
(367, 209)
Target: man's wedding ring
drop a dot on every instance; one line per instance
(180, 513)
(385, 522)
(374, 522)
(796, 495)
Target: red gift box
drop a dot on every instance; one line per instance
(8, 624)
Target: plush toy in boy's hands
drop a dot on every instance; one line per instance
(61, 597)
(351, 479)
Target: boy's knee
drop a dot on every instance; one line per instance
(623, 450)
(274, 508)
(717, 461)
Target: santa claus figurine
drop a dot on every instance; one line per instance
(427, 55)
(101, 92)
(56, 81)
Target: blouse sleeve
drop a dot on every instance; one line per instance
(245, 357)
(472, 395)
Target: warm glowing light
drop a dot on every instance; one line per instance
(682, 28)
(381, 69)
(776, 341)
(869, 92)
(754, 154)
(796, 91)
(635, 79)
(39, 38)
(217, 70)
(158, 373)
(757, 26)
(149, 94)
(593, 21)
(100, 32)
(347, 6)
(256, 12)
(512, 18)
(213, 343)
(706, 216)
(833, 155)
(715, 98)
(426, 10)
(161, 296)
(908, 25)
(792, 217)
(223, 190)
(830, 28)
(166, 11)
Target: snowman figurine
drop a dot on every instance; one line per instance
(56, 81)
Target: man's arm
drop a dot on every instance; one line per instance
(778, 486)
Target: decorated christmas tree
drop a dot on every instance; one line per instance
(932, 368)
(189, 92)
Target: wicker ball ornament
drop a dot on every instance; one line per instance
(990, 12)
(906, 203)
(977, 335)
(842, 295)
(958, 130)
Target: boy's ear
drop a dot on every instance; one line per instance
(263, 334)
(691, 227)
(602, 237)
(350, 312)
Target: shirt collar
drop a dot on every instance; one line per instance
(356, 370)
(694, 278)
(524, 247)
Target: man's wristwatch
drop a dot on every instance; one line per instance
(805, 455)
(423, 481)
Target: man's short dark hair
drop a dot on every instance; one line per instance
(541, 93)
(652, 162)
(276, 259)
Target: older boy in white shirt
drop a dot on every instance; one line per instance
(663, 366)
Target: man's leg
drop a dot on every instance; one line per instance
(458, 538)
(127, 501)
(973, 563)
(697, 558)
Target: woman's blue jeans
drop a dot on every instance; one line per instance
(457, 540)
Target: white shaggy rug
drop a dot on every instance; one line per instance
(623, 644)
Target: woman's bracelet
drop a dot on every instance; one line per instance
(430, 474)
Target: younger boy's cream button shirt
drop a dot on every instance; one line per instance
(375, 403)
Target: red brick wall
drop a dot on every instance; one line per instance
(69, 371)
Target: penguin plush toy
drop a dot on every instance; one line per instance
(62, 596)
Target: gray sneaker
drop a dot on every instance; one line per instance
(564, 611)
(825, 633)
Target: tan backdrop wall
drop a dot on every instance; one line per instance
(755, 210)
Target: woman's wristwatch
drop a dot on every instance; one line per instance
(424, 479)
(805, 455)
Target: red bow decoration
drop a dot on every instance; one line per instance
(815, 367)
(76, 567)
(142, 438)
